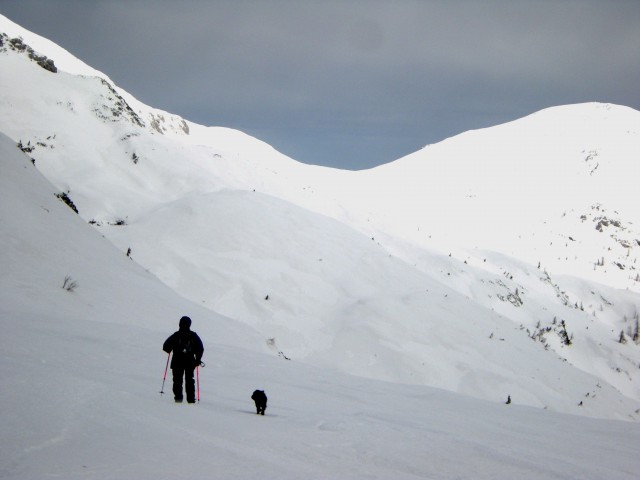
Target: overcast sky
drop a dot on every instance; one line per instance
(351, 84)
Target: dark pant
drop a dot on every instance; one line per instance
(189, 384)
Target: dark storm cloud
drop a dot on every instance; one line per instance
(352, 83)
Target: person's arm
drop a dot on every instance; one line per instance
(199, 350)
(167, 346)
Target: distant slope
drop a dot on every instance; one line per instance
(44, 241)
(523, 188)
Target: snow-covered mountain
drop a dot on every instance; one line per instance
(81, 367)
(498, 262)
(273, 260)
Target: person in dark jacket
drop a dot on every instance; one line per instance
(187, 351)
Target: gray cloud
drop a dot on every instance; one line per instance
(352, 83)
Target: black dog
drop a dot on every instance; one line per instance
(261, 401)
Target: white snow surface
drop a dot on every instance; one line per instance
(82, 369)
(408, 298)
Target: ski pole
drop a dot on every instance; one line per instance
(165, 373)
(198, 381)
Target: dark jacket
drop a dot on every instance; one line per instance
(187, 348)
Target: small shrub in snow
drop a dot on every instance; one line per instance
(26, 148)
(65, 198)
(564, 335)
(69, 284)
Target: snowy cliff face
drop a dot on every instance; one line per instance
(499, 262)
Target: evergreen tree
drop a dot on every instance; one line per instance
(622, 338)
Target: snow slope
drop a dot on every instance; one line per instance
(423, 271)
(81, 372)
(525, 187)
